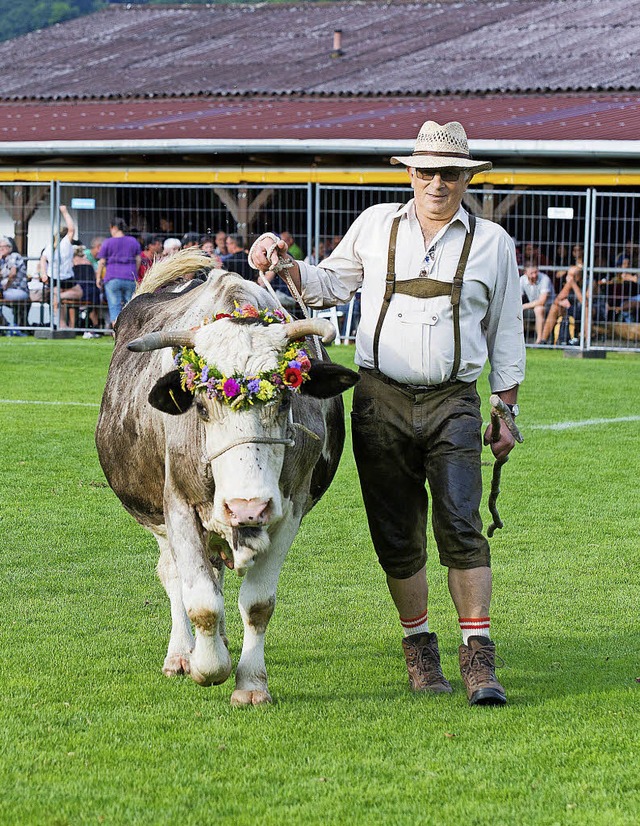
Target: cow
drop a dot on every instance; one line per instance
(219, 480)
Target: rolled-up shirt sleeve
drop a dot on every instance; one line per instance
(503, 322)
(339, 276)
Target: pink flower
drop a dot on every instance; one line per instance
(231, 388)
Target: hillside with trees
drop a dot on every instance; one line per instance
(21, 16)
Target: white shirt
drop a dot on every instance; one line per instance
(416, 342)
(541, 285)
(63, 255)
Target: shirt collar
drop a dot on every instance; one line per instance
(409, 209)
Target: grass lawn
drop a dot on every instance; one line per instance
(91, 732)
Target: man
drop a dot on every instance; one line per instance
(537, 297)
(421, 344)
(91, 254)
(236, 259)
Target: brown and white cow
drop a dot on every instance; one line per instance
(212, 483)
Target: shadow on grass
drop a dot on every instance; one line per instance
(536, 671)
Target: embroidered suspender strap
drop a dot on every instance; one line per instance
(424, 287)
(389, 287)
(455, 296)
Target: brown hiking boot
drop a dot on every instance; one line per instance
(477, 666)
(423, 664)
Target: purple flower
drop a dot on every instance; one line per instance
(231, 388)
(276, 380)
(204, 375)
(295, 364)
(253, 386)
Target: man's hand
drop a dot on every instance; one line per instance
(505, 443)
(266, 252)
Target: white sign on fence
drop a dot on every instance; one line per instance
(83, 203)
(560, 212)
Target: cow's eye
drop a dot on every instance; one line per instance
(202, 411)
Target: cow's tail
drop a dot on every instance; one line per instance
(174, 266)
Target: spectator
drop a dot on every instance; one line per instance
(84, 290)
(13, 278)
(331, 245)
(208, 246)
(91, 254)
(237, 259)
(568, 305)
(59, 262)
(170, 246)
(152, 249)
(562, 260)
(534, 254)
(294, 250)
(221, 243)
(537, 289)
(165, 225)
(627, 258)
(190, 239)
(119, 260)
(623, 297)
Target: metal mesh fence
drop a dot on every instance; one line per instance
(596, 235)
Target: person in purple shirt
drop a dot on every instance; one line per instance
(118, 262)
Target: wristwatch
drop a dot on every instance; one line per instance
(514, 408)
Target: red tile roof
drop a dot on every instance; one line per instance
(494, 117)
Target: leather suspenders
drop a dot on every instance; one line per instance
(425, 288)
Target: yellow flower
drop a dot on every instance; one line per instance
(267, 391)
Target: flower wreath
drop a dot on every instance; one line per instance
(241, 392)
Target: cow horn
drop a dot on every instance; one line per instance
(156, 341)
(311, 327)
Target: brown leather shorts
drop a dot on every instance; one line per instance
(404, 437)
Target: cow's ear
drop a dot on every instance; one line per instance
(327, 379)
(169, 397)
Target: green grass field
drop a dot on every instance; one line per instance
(91, 732)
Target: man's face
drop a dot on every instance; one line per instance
(221, 239)
(5, 249)
(438, 200)
(532, 274)
(155, 248)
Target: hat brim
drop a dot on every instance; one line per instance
(442, 162)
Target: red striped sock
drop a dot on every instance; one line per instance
(417, 625)
(473, 627)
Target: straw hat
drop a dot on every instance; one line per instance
(442, 146)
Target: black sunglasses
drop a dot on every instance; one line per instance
(449, 174)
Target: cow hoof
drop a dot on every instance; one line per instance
(176, 665)
(242, 698)
(213, 677)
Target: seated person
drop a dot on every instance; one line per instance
(567, 304)
(13, 277)
(537, 296)
(623, 298)
(84, 290)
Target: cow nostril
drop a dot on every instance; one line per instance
(246, 511)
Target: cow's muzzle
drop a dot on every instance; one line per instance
(245, 513)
